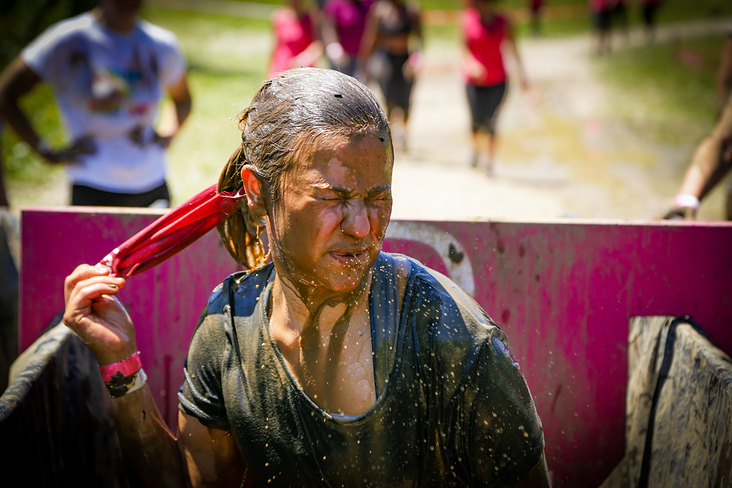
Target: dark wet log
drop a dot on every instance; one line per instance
(8, 305)
(55, 421)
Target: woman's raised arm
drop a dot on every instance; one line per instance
(153, 455)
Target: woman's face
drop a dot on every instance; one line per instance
(330, 222)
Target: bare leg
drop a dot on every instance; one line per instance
(476, 149)
(405, 125)
(492, 142)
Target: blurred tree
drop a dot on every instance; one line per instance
(22, 20)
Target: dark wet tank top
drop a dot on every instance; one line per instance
(452, 407)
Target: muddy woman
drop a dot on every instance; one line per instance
(328, 362)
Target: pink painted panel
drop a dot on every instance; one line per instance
(164, 302)
(563, 291)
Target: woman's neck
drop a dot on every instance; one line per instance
(121, 24)
(298, 308)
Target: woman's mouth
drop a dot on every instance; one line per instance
(351, 257)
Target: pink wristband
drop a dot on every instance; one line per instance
(126, 367)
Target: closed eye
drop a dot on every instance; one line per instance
(382, 196)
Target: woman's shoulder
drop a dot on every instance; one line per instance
(437, 295)
(242, 286)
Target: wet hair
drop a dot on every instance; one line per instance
(283, 125)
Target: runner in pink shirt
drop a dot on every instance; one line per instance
(296, 40)
(343, 25)
(485, 35)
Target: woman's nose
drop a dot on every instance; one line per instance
(356, 220)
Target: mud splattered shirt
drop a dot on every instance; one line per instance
(453, 409)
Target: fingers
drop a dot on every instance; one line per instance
(96, 316)
(81, 147)
(83, 297)
(163, 141)
(81, 272)
(85, 145)
(87, 275)
(136, 135)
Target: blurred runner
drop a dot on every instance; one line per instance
(392, 60)
(486, 34)
(297, 43)
(109, 72)
(343, 26)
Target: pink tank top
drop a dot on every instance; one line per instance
(484, 43)
(292, 36)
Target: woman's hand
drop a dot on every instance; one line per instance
(97, 316)
(83, 146)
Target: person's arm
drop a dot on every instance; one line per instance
(315, 49)
(171, 124)
(368, 41)
(16, 81)
(710, 162)
(513, 49)
(476, 72)
(211, 455)
(724, 75)
(333, 49)
(417, 29)
(153, 455)
(414, 62)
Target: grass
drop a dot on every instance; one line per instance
(667, 90)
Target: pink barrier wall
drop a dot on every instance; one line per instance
(563, 291)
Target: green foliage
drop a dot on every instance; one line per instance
(22, 20)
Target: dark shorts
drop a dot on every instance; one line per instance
(484, 102)
(602, 19)
(87, 196)
(649, 13)
(396, 88)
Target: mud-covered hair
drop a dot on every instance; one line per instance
(284, 123)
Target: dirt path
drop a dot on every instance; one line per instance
(560, 155)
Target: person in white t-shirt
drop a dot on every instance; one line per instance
(109, 71)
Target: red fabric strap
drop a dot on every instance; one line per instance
(127, 367)
(173, 232)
